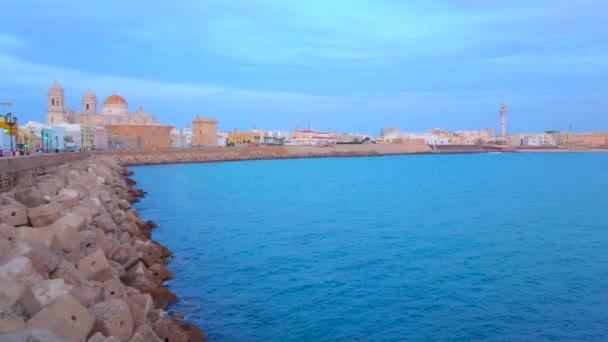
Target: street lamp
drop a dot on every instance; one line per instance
(10, 121)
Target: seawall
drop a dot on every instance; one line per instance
(206, 155)
(76, 261)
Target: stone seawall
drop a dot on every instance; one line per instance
(205, 155)
(14, 168)
(76, 261)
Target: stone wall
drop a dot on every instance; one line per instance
(14, 168)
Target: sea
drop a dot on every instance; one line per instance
(486, 247)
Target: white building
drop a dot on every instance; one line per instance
(187, 133)
(222, 138)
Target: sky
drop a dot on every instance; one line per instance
(340, 65)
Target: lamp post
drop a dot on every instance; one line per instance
(10, 121)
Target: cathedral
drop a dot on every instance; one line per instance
(114, 111)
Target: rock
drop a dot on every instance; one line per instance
(21, 269)
(112, 318)
(86, 213)
(105, 222)
(71, 220)
(124, 205)
(105, 197)
(67, 197)
(144, 333)
(32, 335)
(67, 271)
(49, 188)
(131, 228)
(120, 216)
(95, 266)
(10, 323)
(65, 317)
(113, 289)
(161, 295)
(140, 306)
(30, 197)
(97, 337)
(160, 273)
(42, 258)
(176, 331)
(8, 236)
(13, 214)
(125, 255)
(44, 215)
(117, 270)
(90, 242)
(88, 294)
(35, 297)
(10, 292)
(149, 252)
(44, 235)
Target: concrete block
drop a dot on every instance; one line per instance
(130, 227)
(44, 215)
(113, 289)
(149, 252)
(144, 333)
(10, 324)
(117, 270)
(21, 269)
(173, 330)
(95, 266)
(105, 222)
(30, 197)
(15, 215)
(68, 197)
(160, 273)
(88, 294)
(44, 235)
(68, 272)
(42, 257)
(49, 187)
(38, 295)
(66, 318)
(10, 292)
(32, 335)
(125, 255)
(113, 318)
(140, 306)
(71, 220)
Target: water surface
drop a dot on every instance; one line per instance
(443, 247)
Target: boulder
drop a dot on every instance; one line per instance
(30, 197)
(68, 272)
(149, 252)
(66, 318)
(120, 216)
(130, 227)
(144, 333)
(117, 270)
(8, 237)
(124, 205)
(112, 318)
(86, 213)
(44, 215)
(95, 266)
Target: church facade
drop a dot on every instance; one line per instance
(114, 111)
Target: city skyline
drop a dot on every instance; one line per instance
(359, 68)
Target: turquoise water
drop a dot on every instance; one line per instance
(437, 247)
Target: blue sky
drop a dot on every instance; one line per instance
(343, 65)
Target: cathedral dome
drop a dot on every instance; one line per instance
(115, 100)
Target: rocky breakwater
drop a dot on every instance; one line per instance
(78, 264)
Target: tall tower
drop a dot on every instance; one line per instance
(89, 103)
(503, 120)
(55, 113)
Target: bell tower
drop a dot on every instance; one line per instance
(89, 103)
(55, 112)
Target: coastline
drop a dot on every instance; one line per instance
(72, 246)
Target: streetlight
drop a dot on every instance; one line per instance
(10, 121)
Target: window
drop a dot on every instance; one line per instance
(87, 106)
(52, 102)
